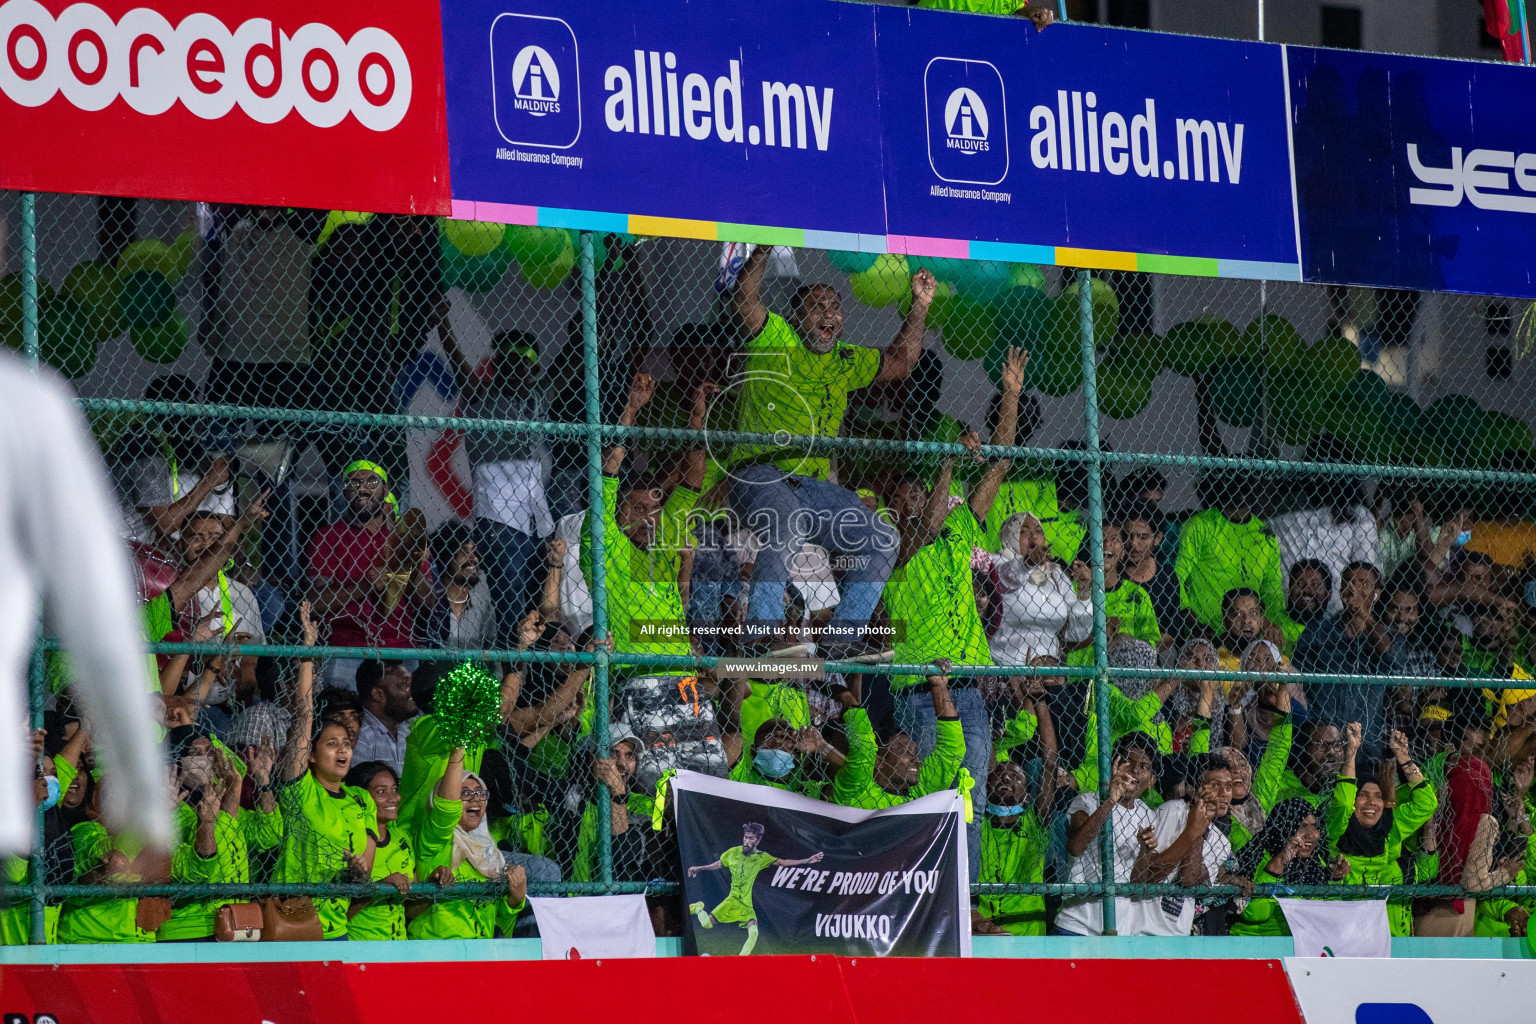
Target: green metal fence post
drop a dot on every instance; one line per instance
(29, 342)
(1096, 560)
(598, 582)
(39, 864)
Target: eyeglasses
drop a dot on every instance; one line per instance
(475, 795)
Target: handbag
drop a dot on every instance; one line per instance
(238, 922)
(290, 919)
(151, 913)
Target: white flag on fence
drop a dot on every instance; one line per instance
(442, 483)
(1338, 927)
(593, 927)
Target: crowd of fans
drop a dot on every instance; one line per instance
(319, 770)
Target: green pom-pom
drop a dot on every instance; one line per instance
(467, 706)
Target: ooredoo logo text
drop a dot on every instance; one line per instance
(202, 63)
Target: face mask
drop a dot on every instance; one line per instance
(54, 792)
(774, 764)
(1463, 537)
(999, 811)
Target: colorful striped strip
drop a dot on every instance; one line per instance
(912, 245)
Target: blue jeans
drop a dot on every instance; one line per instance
(341, 672)
(787, 511)
(510, 558)
(538, 869)
(716, 576)
(915, 717)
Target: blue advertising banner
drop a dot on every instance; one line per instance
(997, 132)
(736, 113)
(938, 133)
(1414, 172)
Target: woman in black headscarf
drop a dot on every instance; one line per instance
(1289, 851)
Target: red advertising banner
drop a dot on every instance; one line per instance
(699, 990)
(276, 102)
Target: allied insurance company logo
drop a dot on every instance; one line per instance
(202, 63)
(535, 81)
(967, 120)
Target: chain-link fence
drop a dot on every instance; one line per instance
(1283, 533)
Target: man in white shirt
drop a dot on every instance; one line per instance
(388, 707)
(60, 553)
(1134, 771)
(1191, 848)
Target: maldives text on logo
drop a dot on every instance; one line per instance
(203, 64)
(536, 87)
(967, 121)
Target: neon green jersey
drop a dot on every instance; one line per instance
(229, 863)
(16, 919)
(1014, 856)
(977, 7)
(384, 919)
(101, 920)
(744, 869)
(855, 786)
(1415, 806)
(426, 759)
(793, 391)
(454, 919)
(324, 831)
(932, 598)
(1217, 555)
(1132, 605)
(642, 583)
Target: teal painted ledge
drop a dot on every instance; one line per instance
(1055, 947)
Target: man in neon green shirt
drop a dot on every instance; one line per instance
(796, 385)
(1014, 839)
(745, 863)
(1228, 547)
(873, 777)
(779, 756)
(1040, 14)
(645, 533)
(931, 598)
(1127, 605)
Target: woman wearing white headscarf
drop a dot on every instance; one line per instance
(1042, 606)
(454, 846)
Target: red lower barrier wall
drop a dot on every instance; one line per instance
(689, 990)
